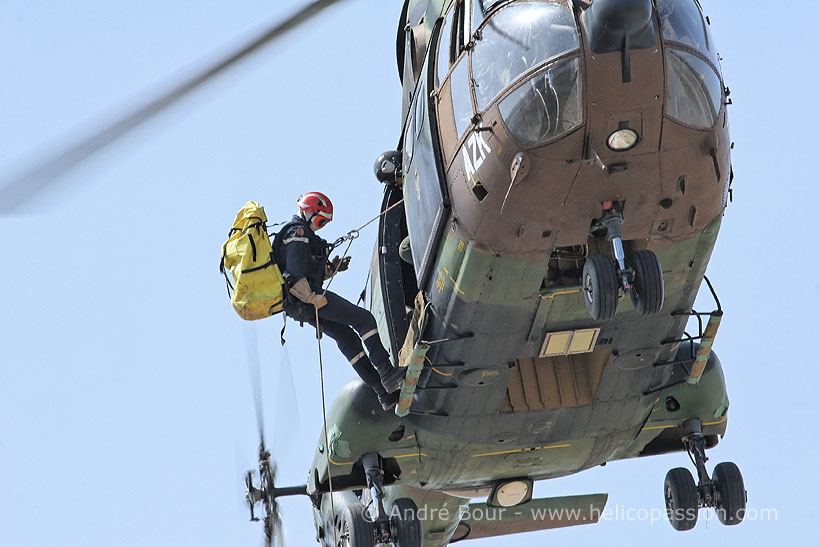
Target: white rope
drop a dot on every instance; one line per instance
(350, 236)
(324, 419)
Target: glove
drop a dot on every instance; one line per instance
(336, 265)
(339, 264)
(301, 290)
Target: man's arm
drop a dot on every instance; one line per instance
(297, 252)
(297, 261)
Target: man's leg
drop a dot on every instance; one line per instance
(340, 310)
(351, 347)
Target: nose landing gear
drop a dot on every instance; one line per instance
(603, 277)
(368, 523)
(724, 491)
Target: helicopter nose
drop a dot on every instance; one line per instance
(616, 25)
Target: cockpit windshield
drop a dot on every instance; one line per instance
(517, 39)
(545, 107)
(683, 23)
(694, 91)
(481, 9)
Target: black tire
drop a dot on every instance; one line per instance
(357, 530)
(599, 284)
(405, 523)
(731, 493)
(681, 496)
(647, 285)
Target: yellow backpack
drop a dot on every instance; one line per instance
(258, 287)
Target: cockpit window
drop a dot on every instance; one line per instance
(445, 48)
(694, 92)
(517, 39)
(682, 22)
(546, 106)
(460, 92)
(482, 8)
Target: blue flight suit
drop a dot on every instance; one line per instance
(301, 253)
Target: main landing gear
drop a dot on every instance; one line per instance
(603, 277)
(724, 492)
(368, 524)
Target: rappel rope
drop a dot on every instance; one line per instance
(349, 237)
(324, 418)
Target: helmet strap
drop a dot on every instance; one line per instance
(309, 220)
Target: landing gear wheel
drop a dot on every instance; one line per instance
(600, 287)
(731, 493)
(357, 530)
(647, 286)
(405, 524)
(681, 497)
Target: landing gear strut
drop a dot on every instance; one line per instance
(371, 524)
(603, 277)
(375, 483)
(724, 491)
(613, 220)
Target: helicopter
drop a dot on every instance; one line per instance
(565, 167)
(607, 330)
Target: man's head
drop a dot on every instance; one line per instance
(316, 209)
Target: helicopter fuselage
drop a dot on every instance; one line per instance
(524, 126)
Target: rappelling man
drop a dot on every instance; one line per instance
(304, 259)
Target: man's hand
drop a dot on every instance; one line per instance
(301, 290)
(336, 265)
(340, 265)
(319, 300)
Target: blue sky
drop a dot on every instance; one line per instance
(126, 410)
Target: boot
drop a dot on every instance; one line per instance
(389, 400)
(391, 377)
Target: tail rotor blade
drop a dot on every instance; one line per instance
(279, 531)
(266, 493)
(286, 418)
(255, 375)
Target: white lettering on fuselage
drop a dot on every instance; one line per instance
(479, 148)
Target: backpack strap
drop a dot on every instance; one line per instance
(224, 272)
(276, 244)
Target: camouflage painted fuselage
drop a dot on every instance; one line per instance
(499, 231)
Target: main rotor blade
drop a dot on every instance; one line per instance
(17, 189)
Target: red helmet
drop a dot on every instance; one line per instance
(317, 209)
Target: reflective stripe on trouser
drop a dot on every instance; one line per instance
(345, 322)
